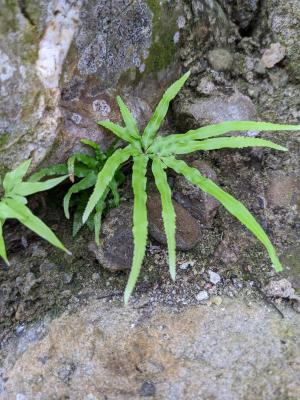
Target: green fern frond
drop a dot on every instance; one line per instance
(140, 220)
(168, 212)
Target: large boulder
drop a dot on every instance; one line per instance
(63, 62)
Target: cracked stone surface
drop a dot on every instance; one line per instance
(103, 350)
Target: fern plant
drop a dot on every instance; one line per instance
(86, 168)
(162, 152)
(13, 205)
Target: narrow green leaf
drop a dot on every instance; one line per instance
(2, 244)
(77, 221)
(28, 188)
(168, 212)
(114, 190)
(140, 221)
(12, 178)
(236, 208)
(119, 131)
(14, 209)
(218, 143)
(161, 111)
(98, 216)
(84, 184)
(209, 131)
(105, 176)
(100, 155)
(129, 120)
(58, 169)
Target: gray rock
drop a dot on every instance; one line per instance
(283, 190)
(116, 242)
(220, 59)
(273, 55)
(242, 13)
(284, 20)
(147, 389)
(181, 351)
(202, 206)
(187, 230)
(70, 60)
(191, 114)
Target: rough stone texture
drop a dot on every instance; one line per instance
(115, 251)
(63, 61)
(220, 59)
(202, 206)
(284, 20)
(273, 55)
(199, 112)
(187, 230)
(103, 350)
(242, 13)
(283, 191)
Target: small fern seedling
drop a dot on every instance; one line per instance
(85, 168)
(162, 152)
(13, 205)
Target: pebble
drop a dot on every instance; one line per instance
(147, 389)
(214, 277)
(216, 300)
(220, 59)
(187, 265)
(273, 55)
(201, 296)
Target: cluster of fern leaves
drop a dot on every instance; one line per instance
(161, 152)
(85, 169)
(102, 172)
(13, 205)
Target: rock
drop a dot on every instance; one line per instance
(283, 20)
(206, 86)
(202, 206)
(214, 277)
(203, 295)
(98, 349)
(216, 300)
(193, 113)
(186, 265)
(283, 190)
(241, 13)
(273, 55)
(116, 243)
(187, 230)
(220, 59)
(71, 59)
(147, 389)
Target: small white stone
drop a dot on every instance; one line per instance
(201, 296)
(176, 37)
(142, 68)
(186, 265)
(214, 277)
(181, 22)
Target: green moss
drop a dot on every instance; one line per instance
(4, 137)
(163, 48)
(8, 20)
